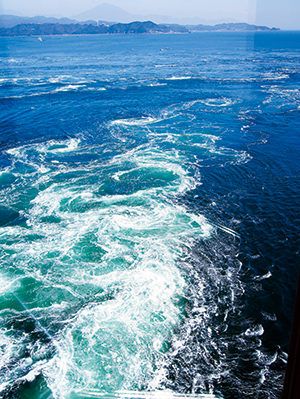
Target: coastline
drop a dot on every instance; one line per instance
(137, 27)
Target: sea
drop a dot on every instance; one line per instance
(149, 214)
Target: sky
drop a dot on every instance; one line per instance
(284, 14)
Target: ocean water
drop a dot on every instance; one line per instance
(149, 215)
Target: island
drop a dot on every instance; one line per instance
(137, 27)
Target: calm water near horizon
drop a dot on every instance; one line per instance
(149, 214)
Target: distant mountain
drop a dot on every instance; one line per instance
(111, 13)
(9, 21)
(131, 28)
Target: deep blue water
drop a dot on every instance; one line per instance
(149, 214)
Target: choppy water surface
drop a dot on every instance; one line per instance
(149, 214)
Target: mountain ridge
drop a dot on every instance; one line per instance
(137, 27)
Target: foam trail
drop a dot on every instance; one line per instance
(179, 78)
(226, 229)
(136, 122)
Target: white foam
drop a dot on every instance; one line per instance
(179, 78)
(255, 331)
(266, 359)
(68, 88)
(154, 160)
(54, 80)
(226, 229)
(135, 122)
(28, 95)
(140, 235)
(7, 285)
(116, 332)
(264, 277)
(274, 76)
(56, 147)
(216, 102)
(32, 157)
(269, 316)
(157, 84)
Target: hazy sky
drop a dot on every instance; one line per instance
(280, 13)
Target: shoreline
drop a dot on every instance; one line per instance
(133, 28)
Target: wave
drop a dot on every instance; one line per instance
(68, 88)
(156, 84)
(59, 89)
(135, 121)
(179, 78)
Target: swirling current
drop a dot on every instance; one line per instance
(149, 215)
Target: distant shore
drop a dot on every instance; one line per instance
(147, 27)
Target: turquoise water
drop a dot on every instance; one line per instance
(149, 214)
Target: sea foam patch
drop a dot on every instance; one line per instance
(115, 246)
(106, 243)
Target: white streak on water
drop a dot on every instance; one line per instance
(136, 122)
(265, 276)
(179, 78)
